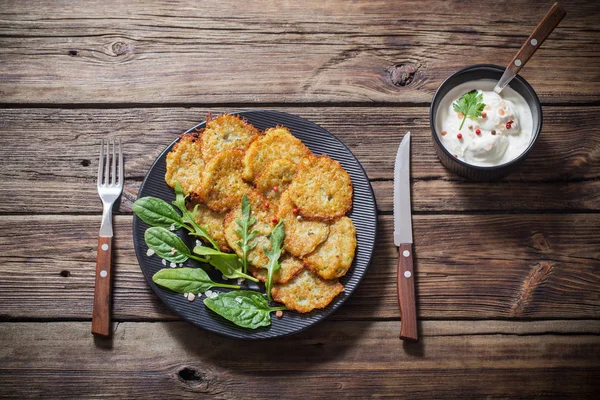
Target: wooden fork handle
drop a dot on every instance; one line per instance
(406, 293)
(541, 32)
(102, 289)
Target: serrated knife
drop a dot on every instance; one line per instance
(403, 238)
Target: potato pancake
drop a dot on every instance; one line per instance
(264, 225)
(321, 189)
(290, 267)
(222, 184)
(212, 221)
(226, 132)
(302, 235)
(277, 143)
(306, 291)
(185, 163)
(277, 174)
(333, 258)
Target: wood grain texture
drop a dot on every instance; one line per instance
(466, 266)
(311, 52)
(333, 360)
(59, 174)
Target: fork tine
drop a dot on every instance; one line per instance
(107, 163)
(101, 162)
(121, 177)
(114, 164)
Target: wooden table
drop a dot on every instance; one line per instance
(508, 273)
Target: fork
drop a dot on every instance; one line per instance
(110, 186)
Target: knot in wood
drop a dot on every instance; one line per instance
(540, 242)
(402, 74)
(188, 374)
(120, 48)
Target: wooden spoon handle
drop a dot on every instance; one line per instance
(406, 293)
(535, 40)
(102, 289)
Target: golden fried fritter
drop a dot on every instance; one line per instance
(302, 235)
(226, 132)
(212, 221)
(333, 258)
(222, 184)
(277, 143)
(264, 225)
(290, 267)
(277, 174)
(185, 163)
(321, 189)
(306, 291)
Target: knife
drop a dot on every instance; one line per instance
(403, 239)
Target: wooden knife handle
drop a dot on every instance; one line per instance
(102, 289)
(535, 40)
(406, 293)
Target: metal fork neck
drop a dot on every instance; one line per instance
(106, 229)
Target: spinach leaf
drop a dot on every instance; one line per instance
(245, 223)
(229, 264)
(168, 245)
(276, 238)
(189, 217)
(186, 280)
(156, 212)
(244, 308)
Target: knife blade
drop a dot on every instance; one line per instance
(403, 239)
(402, 217)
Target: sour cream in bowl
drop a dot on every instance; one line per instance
(478, 133)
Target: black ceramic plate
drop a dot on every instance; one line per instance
(364, 215)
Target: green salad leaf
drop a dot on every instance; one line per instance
(470, 104)
(168, 245)
(187, 280)
(244, 308)
(229, 264)
(273, 265)
(244, 223)
(157, 212)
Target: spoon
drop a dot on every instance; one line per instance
(533, 42)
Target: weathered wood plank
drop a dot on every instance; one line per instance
(51, 155)
(332, 360)
(467, 266)
(216, 52)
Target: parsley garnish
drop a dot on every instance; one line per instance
(470, 104)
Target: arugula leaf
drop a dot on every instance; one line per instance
(189, 218)
(168, 245)
(244, 308)
(156, 212)
(245, 223)
(277, 237)
(470, 104)
(229, 264)
(186, 280)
